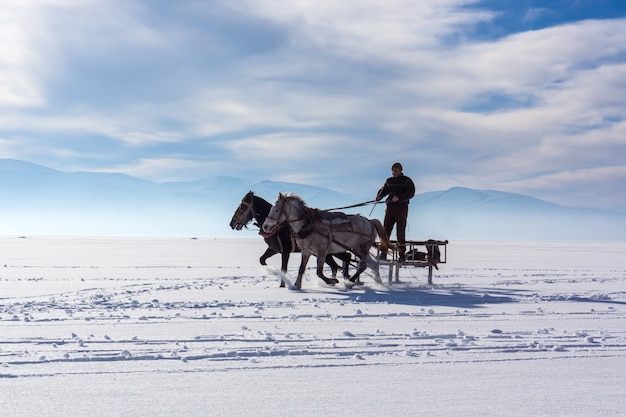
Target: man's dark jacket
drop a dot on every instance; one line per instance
(401, 187)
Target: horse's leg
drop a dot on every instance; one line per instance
(269, 252)
(372, 263)
(333, 265)
(284, 261)
(320, 270)
(362, 255)
(284, 264)
(305, 259)
(345, 257)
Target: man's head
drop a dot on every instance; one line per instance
(396, 169)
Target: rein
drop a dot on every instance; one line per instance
(365, 203)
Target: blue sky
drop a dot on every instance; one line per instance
(518, 96)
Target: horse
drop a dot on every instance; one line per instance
(320, 233)
(255, 207)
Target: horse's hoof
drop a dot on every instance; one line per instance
(282, 284)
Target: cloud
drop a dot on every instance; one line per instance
(279, 146)
(556, 82)
(327, 92)
(282, 155)
(596, 186)
(536, 13)
(169, 169)
(20, 63)
(366, 27)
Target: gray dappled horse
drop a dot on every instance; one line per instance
(320, 233)
(253, 207)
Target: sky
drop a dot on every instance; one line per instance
(512, 95)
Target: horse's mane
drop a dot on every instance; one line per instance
(311, 213)
(291, 196)
(265, 205)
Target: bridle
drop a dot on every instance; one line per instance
(245, 208)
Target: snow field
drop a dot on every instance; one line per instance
(157, 326)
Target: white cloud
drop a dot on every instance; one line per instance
(218, 111)
(292, 148)
(595, 187)
(170, 169)
(366, 27)
(312, 82)
(20, 61)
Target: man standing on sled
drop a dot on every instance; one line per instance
(399, 189)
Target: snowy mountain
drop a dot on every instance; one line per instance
(40, 200)
(470, 214)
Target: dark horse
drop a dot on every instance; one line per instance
(321, 233)
(254, 207)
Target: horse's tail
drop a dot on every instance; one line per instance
(382, 234)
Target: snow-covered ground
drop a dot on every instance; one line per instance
(195, 327)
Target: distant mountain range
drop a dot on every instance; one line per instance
(41, 201)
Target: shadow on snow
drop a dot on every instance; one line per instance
(457, 297)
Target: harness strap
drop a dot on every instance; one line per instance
(333, 240)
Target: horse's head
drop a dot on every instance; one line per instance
(244, 213)
(275, 218)
(287, 209)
